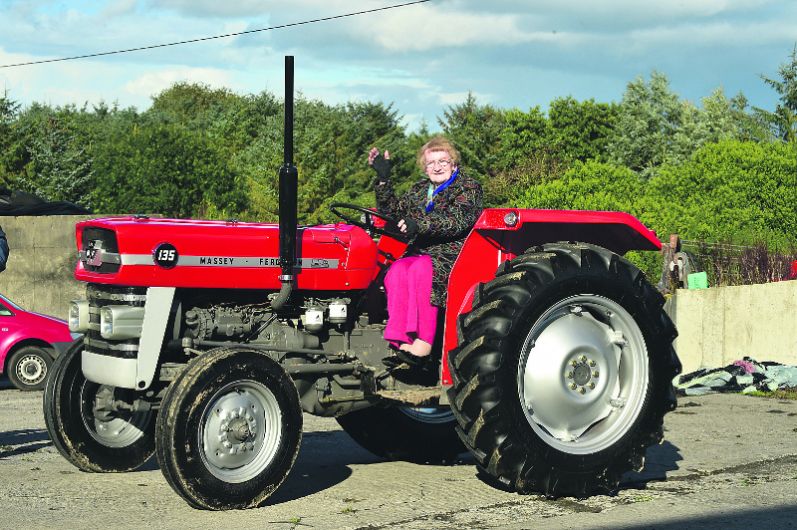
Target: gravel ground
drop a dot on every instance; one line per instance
(729, 461)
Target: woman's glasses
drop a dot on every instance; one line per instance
(441, 163)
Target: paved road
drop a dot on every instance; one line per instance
(729, 461)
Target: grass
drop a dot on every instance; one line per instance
(786, 393)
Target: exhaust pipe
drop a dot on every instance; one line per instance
(288, 191)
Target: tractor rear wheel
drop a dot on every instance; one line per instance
(415, 434)
(85, 423)
(564, 374)
(229, 429)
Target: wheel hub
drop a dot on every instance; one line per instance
(241, 431)
(582, 361)
(235, 429)
(31, 369)
(105, 422)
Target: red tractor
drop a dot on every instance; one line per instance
(205, 341)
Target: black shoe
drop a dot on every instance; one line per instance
(412, 360)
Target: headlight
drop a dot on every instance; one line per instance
(79, 316)
(106, 323)
(121, 322)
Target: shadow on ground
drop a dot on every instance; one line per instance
(23, 441)
(323, 462)
(659, 459)
(770, 517)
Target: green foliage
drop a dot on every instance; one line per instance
(654, 126)
(165, 168)
(717, 171)
(46, 154)
(783, 120)
(473, 128)
(580, 130)
(588, 185)
(8, 115)
(650, 119)
(731, 190)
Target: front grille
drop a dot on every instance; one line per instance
(103, 295)
(100, 250)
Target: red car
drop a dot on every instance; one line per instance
(28, 344)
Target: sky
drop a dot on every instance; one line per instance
(420, 58)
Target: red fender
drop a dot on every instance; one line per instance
(500, 234)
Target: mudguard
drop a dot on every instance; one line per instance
(500, 234)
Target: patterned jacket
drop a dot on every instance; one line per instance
(442, 231)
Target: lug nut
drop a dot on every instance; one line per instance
(595, 373)
(582, 390)
(570, 375)
(573, 363)
(583, 358)
(592, 363)
(572, 386)
(592, 385)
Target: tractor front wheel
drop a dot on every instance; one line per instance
(87, 425)
(564, 376)
(229, 429)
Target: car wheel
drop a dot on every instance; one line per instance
(28, 368)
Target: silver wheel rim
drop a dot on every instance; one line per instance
(430, 415)
(241, 429)
(583, 374)
(31, 369)
(108, 425)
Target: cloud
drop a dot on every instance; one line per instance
(455, 98)
(152, 83)
(260, 8)
(118, 8)
(422, 57)
(427, 28)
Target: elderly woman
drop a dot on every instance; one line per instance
(438, 211)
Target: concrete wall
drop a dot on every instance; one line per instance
(40, 271)
(720, 325)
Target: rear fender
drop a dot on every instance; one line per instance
(501, 234)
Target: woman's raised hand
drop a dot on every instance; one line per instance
(381, 164)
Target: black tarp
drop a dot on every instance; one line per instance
(21, 203)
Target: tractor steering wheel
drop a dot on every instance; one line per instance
(391, 225)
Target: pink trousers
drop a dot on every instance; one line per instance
(411, 315)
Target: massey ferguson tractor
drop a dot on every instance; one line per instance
(205, 341)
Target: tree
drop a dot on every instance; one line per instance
(590, 185)
(59, 166)
(783, 120)
(731, 190)
(474, 128)
(581, 130)
(8, 114)
(168, 169)
(650, 115)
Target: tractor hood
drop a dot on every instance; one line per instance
(141, 251)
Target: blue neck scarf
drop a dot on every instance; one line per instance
(434, 191)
